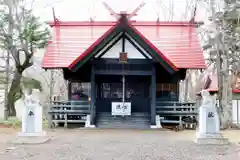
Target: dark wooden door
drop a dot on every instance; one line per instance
(136, 92)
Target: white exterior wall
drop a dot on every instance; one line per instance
(133, 53)
(236, 111)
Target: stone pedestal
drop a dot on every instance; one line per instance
(209, 126)
(32, 121)
(158, 123)
(32, 118)
(88, 122)
(208, 138)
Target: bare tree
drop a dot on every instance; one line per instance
(21, 34)
(222, 44)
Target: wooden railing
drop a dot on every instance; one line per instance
(69, 112)
(183, 114)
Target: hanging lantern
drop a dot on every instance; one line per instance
(123, 57)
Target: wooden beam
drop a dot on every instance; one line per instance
(139, 39)
(153, 96)
(123, 72)
(109, 47)
(123, 43)
(93, 90)
(138, 48)
(69, 90)
(116, 61)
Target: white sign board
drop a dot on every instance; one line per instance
(30, 119)
(121, 109)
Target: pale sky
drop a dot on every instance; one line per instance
(82, 10)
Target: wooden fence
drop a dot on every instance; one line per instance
(183, 114)
(69, 112)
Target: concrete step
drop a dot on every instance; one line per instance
(123, 121)
(135, 114)
(136, 121)
(110, 126)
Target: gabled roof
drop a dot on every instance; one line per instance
(211, 84)
(176, 42)
(123, 26)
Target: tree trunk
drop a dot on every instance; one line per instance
(225, 118)
(186, 90)
(13, 91)
(225, 91)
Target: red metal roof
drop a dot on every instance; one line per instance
(213, 85)
(91, 47)
(178, 41)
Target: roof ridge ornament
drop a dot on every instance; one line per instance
(123, 14)
(55, 19)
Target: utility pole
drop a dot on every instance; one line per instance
(10, 31)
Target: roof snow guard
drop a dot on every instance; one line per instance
(170, 43)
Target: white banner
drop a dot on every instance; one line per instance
(120, 109)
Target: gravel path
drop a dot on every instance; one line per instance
(117, 145)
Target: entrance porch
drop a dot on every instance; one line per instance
(111, 82)
(110, 89)
(127, 90)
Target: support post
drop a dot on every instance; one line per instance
(69, 90)
(50, 115)
(153, 96)
(93, 90)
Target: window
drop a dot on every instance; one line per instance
(114, 90)
(80, 89)
(167, 91)
(105, 87)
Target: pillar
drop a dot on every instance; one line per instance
(153, 96)
(93, 90)
(69, 90)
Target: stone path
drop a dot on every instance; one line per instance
(79, 144)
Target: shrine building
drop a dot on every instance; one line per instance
(132, 67)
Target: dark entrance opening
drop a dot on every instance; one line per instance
(110, 89)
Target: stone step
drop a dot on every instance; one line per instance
(121, 117)
(125, 121)
(110, 126)
(122, 121)
(136, 121)
(137, 114)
